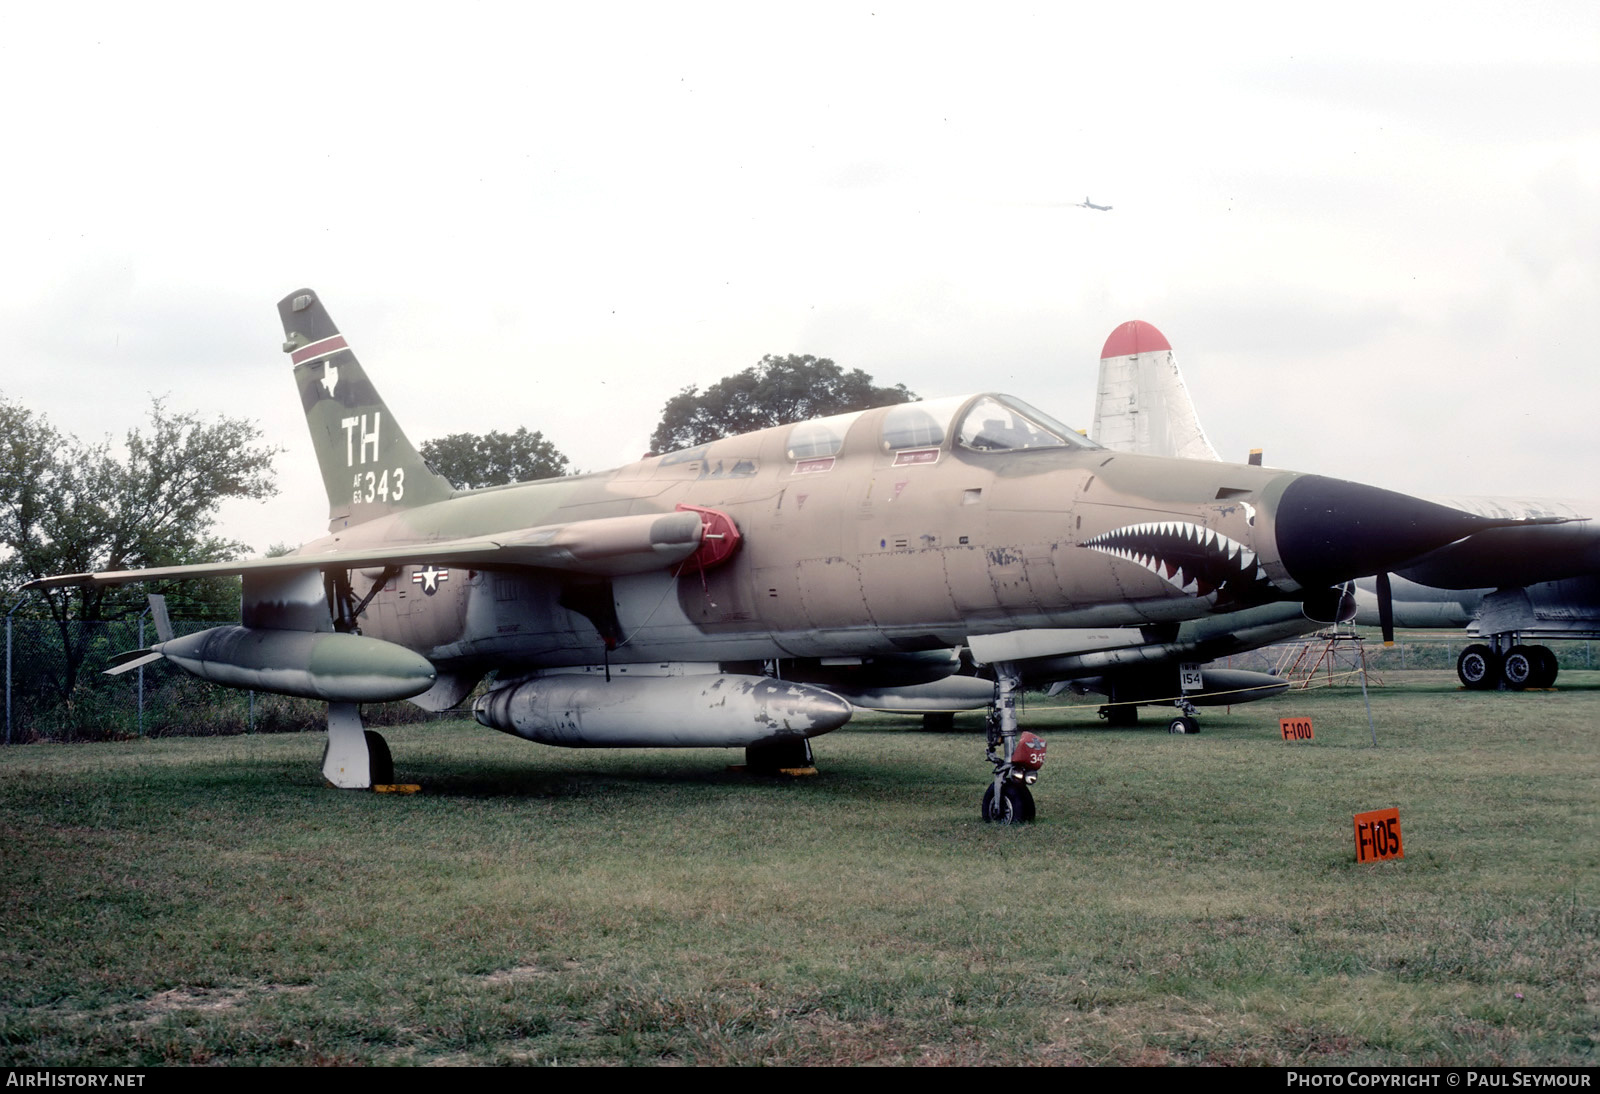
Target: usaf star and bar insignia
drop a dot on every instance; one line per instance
(429, 577)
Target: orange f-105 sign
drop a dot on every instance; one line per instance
(1378, 835)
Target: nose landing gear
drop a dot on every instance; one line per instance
(1184, 721)
(1016, 756)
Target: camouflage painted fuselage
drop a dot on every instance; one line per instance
(871, 554)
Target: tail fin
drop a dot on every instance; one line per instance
(368, 466)
(1143, 405)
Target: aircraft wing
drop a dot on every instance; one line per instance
(606, 547)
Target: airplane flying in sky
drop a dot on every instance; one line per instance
(1087, 204)
(740, 593)
(1509, 586)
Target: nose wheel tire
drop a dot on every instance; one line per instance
(1015, 806)
(1183, 724)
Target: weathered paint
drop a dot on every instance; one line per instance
(344, 668)
(707, 710)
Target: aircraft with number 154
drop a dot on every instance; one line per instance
(751, 592)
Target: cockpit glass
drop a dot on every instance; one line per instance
(1004, 424)
(821, 437)
(919, 425)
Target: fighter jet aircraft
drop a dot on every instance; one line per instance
(1509, 586)
(736, 594)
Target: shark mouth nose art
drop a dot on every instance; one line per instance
(1192, 559)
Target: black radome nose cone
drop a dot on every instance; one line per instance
(1329, 530)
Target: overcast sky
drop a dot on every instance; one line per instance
(1371, 233)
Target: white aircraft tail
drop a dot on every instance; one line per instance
(1142, 405)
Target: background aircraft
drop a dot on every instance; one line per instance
(734, 593)
(1509, 586)
(1087, 204)
(1515, 592)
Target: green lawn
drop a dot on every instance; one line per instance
(1181, 899)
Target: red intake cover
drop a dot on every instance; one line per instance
(719, 538)
(1029, 753)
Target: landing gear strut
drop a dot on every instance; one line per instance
(1016, 756)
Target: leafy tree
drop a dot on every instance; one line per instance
(68, 507)
(776, 391)
(473, 461)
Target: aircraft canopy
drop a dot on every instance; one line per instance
(987, 423)
(999, 423)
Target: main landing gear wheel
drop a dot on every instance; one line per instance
(1119, 715)
(354, 758)
(1520, 668)
(1547, 667)
(939, 721)
(780, 758)
(1183, 723)
(1478, 667)
(1016, 805)
(379, 761)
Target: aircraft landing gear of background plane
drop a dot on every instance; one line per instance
(1481, 667)
(1529, 667)
(1016, 756)
(1184, 721)
(1478, 667)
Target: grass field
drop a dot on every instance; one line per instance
(1181, 899)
